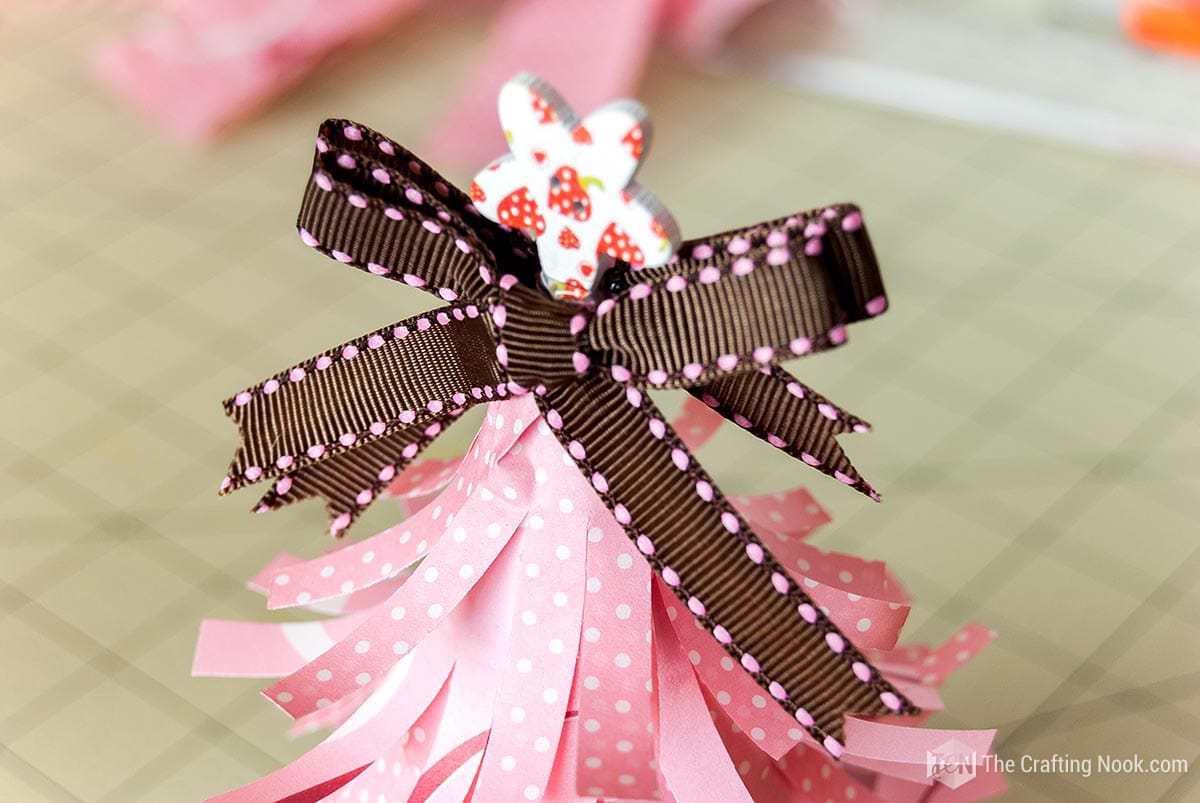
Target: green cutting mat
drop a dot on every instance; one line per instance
(1034, 389)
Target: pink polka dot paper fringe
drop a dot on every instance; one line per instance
(507, 642)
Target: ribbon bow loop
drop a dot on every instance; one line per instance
(683, 325)
(414, 227)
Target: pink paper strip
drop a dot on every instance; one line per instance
(816, 776)
(227, 648)
(904, 661)
(363, 599)
(902, 751)
(561, 785)
(448, 572)
(391, 777)
(260, 583)
(894, 790)
(866, 621)
(696, 423)
(446, 767)
(925, 698)
(860, 596)
(734, 690)
(931, 667)
(399, 701)
(479, 630)
(336, 606)
(362, 564)
(690, 753)
(426, 476)
(421, 742)
(842, 571)
(615, 702)
(544, 643)
(954, 652)
(783, 517)
(759, 772)
(388, 777)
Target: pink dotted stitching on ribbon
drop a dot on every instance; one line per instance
(762, 355)
(780, 583)
(462, 240)
(777, 254)
(351, 350)
(645, 545)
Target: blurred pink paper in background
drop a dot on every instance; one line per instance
(198, 67)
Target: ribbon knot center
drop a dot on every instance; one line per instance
(536, 338)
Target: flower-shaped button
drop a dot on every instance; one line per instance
(569, 185)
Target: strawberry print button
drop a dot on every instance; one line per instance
(568, 183)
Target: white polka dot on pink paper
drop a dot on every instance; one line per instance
(334, 674)
(614, 666)
(550, 586)
(715, 668)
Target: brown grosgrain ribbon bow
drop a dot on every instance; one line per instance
(715, 322)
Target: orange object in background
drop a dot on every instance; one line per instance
(1170, 25)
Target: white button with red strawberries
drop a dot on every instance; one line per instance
(569, 185)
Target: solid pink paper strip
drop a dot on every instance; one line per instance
(227, 648)
(902, 751)
(450, 778)
(561, 786)
(693, 760)
(392, 776)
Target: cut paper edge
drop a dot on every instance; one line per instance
(754, 733)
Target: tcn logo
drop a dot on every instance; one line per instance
(951, 764)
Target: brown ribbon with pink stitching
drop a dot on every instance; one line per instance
(715, 322)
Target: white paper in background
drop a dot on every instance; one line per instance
(1062, 71)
